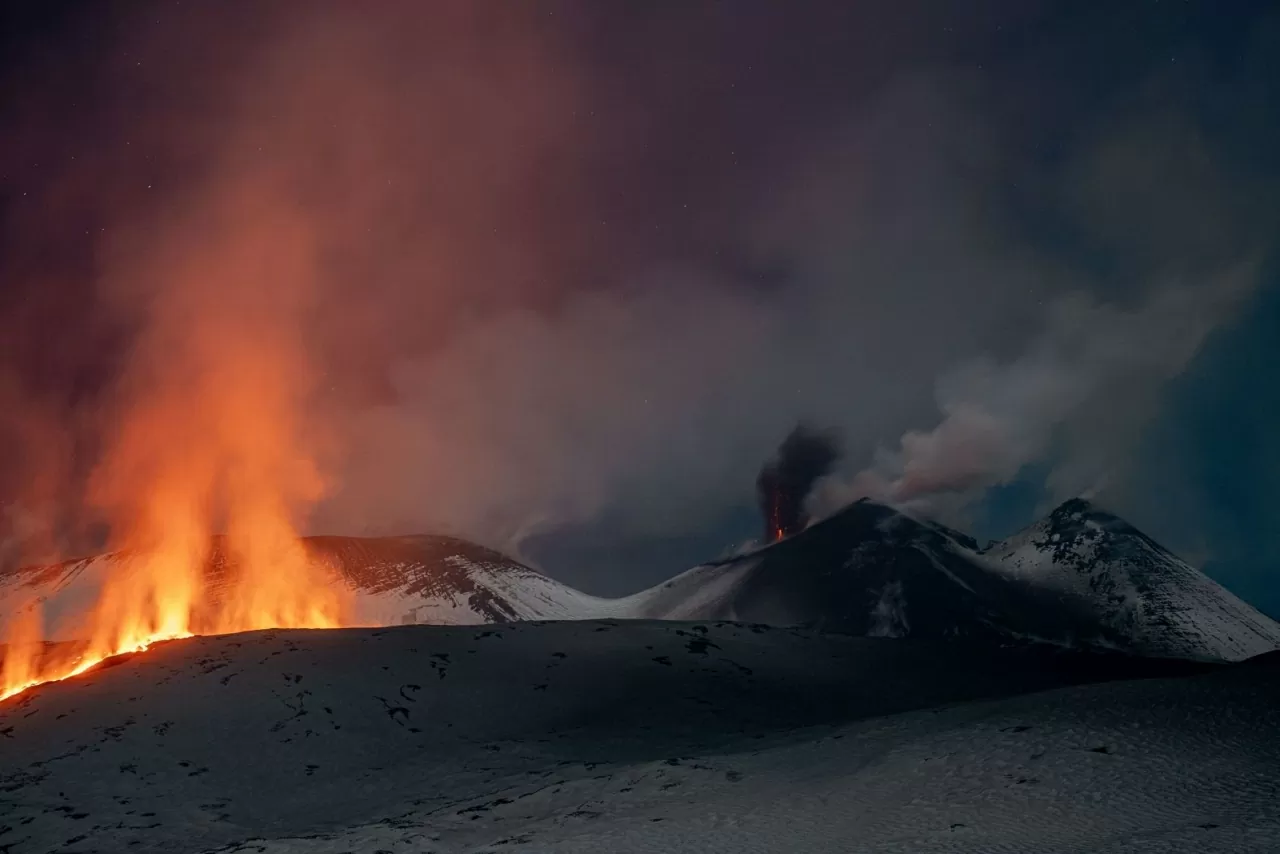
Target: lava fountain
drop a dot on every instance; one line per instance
(208, 436)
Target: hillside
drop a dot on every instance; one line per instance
(638, 736)
(1078, 577)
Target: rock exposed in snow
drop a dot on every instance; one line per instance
(396, 580)
(1080, 576)
(1149, 597)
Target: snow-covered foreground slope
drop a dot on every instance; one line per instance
(637, 737)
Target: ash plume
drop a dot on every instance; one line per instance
(804, 456)
(485, 269)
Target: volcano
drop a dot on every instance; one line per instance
(785, 481)
(541, 718)
(1079, 577)
(1134, 586)
(397, 580)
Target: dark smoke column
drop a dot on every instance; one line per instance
(784, 482)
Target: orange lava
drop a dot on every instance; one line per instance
(209, 435)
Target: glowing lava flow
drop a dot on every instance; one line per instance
(208, 433)
(163, 587)
(26, 667)
(148, 600)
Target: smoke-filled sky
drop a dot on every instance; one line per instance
(560, 276)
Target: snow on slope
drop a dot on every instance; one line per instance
(638, 737)
(447, 581)
(1079, 577)
(65, 590)
(1136, 587)
(871, 570)
(704, 592)
(832, 574)
(396, 580)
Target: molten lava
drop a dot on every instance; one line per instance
(158, 597)
(163, 589)
(784, 482)
(208, 435)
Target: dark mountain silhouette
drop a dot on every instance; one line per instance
(1079, 577)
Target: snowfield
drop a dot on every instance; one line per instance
(1065, 690)
(637, 736)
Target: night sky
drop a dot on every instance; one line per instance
(574, 269)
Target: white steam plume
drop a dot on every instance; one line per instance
(1080, 394)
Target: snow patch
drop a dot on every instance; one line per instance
(889, 615)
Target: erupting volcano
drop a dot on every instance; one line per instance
(785, 481)
(206, 436)
(170, 593)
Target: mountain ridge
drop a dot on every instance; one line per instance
(1080, 576)
(1083, 550)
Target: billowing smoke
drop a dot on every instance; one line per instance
(1079, 397)
(786, 480)
(487, 269)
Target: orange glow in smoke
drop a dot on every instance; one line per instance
(211, 437)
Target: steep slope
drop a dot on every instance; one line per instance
(638, 736)
(447, 581)
(1078, 577)
(1134, 586)
(870, 570)
(417, 579)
